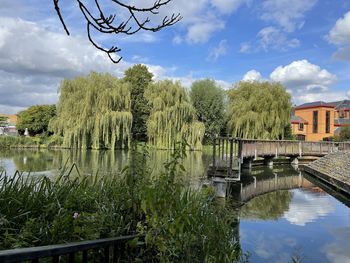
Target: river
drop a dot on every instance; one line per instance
(283, 213)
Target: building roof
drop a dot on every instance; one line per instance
(297, 119)
(345, 104)
(342, 122)
(335, 104)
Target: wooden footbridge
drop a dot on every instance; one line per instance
(230, 155)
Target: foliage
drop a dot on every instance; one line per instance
(344, 134)
(36, 118)
(179, 224)
(288, 133)
(271, 206)
(3, 121)
(172, 116)
(30, 142)
(259, 110)
(94, 112)
(208, 100)
(139, 77)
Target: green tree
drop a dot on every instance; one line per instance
(172, 116)
(208, 100)
(94, 112)
(344, 134)
(259, 110)
(3, 121)
(36, 119)
(139, 77)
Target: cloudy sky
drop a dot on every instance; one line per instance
(303, 44)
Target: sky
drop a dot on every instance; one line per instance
(305, 45)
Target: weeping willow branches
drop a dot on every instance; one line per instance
(94, 112)
(97, 20)
(172, 117)
(259, 110)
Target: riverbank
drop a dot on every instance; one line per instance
(177, 222)
(333, 168)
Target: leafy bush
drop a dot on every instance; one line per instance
(179, 224)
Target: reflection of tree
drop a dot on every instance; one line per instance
(30, 160)
(270, 206)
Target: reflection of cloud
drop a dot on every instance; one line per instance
(338, 251)
(274, 248)
(306, 207)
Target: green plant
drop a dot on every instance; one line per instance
(179, 224)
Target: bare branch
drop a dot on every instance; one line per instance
(105, 23)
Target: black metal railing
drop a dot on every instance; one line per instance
(111, 249)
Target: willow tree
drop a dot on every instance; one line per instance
(94, 112)
(172, 117)
(259, 110)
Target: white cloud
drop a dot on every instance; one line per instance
(307, 82)
(270, 38)
(288, 14)
(177, 40)
(218, 51)
(201, 18)
(201, 32)
(339, 35)
(252, 75)
(306, 207)
(245, 47)
(302, 74)
(228, 6)
(348, 94)
(273, 38)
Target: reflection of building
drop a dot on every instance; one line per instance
(318, 120)
(8, 127)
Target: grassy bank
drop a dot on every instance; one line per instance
(179, 224)
(7, 142)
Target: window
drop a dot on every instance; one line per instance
(301, 126)
(341, 114)
(315, 122)
(328, 121)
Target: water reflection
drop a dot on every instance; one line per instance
(307, 207)
(267, 207)
(304, 221)
(92, 162)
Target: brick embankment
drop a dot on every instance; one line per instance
(334, 169)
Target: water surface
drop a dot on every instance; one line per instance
(286, 214)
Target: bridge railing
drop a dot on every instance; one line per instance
(265, 148)
(225, 153)
(112, 249)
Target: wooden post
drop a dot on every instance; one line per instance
(240, 149)
(214, 151)
(231, 156)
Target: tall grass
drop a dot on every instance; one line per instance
(179, 224)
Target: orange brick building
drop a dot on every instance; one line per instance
(319, 120)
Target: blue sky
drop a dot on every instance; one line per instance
(305, 45)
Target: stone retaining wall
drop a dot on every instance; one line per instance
(333, 168)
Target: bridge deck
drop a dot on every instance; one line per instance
(229, 154)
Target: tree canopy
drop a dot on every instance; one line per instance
(3, 121)
(36, 119)
(208, 100)
(94, 111)
(172, 116)
(259, 110)
(344, 134)
(139, 77)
